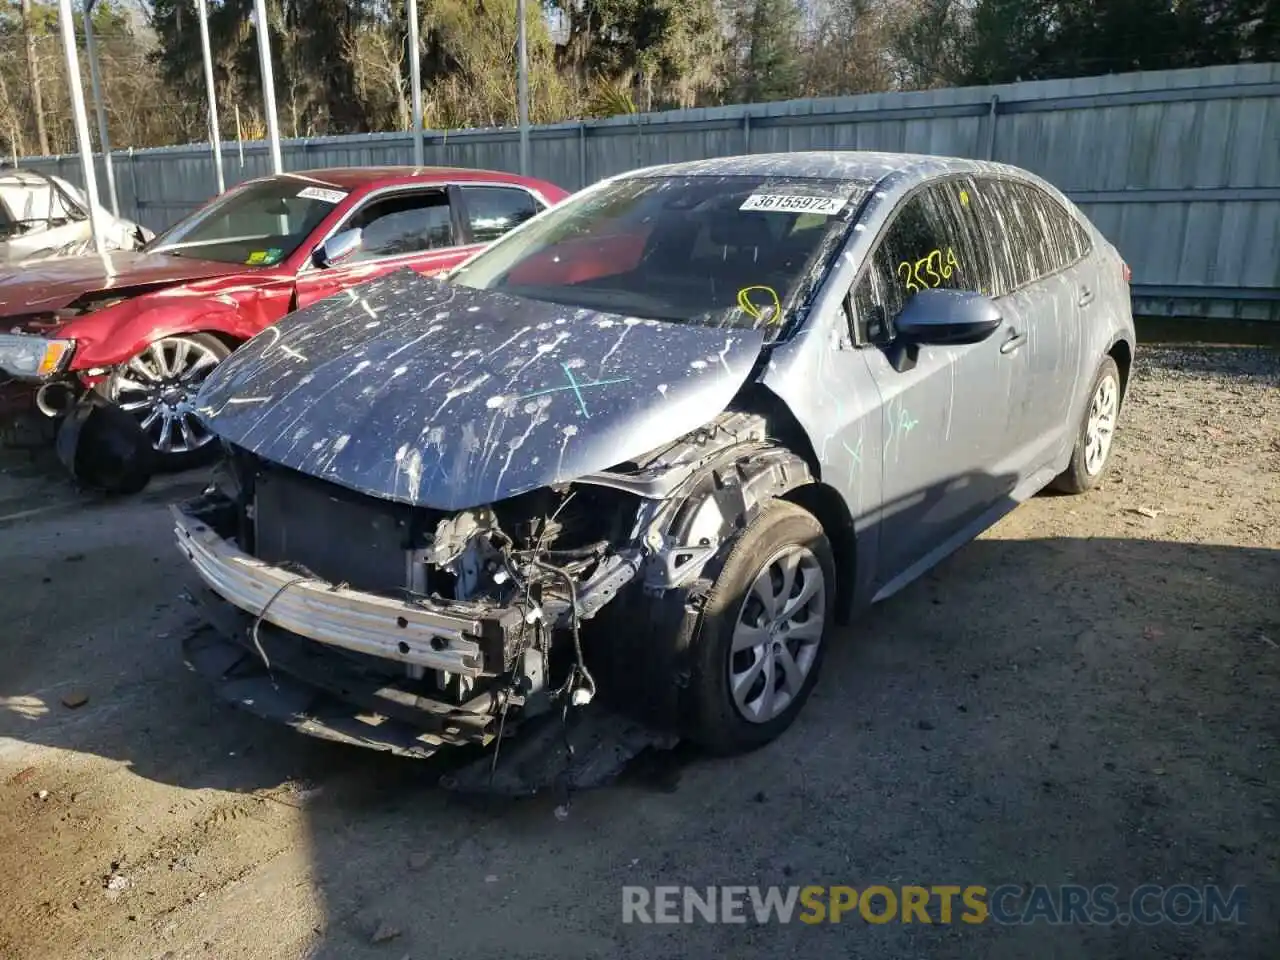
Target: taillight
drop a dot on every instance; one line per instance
(1128, 274)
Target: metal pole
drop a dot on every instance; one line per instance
(66, 20)
(415, 83)
(215, 139)
(993, 117)
(239, 135)
(268, 85)
(104, 141)
(522, 85)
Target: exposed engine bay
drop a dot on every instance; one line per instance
(420, 628)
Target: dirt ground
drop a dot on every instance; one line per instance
(1087, 694)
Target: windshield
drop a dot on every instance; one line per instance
(737, 251)
(257, 225)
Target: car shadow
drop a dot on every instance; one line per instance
(1048, 710)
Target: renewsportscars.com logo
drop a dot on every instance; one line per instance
(1010, 904)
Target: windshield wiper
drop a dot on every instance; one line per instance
(634, 304)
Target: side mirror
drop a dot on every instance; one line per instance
(950, 318)
(337, 248)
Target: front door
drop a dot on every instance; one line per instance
(946, 458)
(414, 228)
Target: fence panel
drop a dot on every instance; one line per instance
(1180, 168)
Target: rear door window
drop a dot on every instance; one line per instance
(492, 211)
(1066, 240)
(1029, 234)
(1011, 233)
(933, 242)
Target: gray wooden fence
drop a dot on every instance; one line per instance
(1180, 169)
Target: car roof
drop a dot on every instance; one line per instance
(356, 178)
(861, 166)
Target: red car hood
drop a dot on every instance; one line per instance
(53, 284)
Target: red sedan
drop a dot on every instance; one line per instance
(147, 332)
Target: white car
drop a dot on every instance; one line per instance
(44, 216)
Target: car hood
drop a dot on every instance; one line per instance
(53, 284)
(413, 390)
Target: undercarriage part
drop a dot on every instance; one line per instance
(303, 701)
(588, 751)
(104, 448)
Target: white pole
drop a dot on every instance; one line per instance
(268, 85)
(522, 85)
(66, 20)
(239, 134)
(215, 139)
(104, 141)
(415, 84)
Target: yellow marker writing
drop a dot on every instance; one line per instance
(756, 312)
(964, 197)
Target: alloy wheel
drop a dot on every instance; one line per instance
(776, 637)
(1101, 425)
(159, 386)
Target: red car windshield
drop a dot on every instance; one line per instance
(721, 251)
(258, 225)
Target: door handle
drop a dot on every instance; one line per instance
(1013, 342)
(1086, 297)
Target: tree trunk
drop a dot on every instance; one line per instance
(33, 73)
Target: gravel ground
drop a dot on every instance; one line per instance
(1087, 694)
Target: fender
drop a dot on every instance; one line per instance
(722, 498)
(114, 335)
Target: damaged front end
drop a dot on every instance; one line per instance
(407, 628)
(44, 400)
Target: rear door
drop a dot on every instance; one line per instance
(417, 228)
(1036, 249)
(945, 456)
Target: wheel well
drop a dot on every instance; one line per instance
(830, 509)
(1122, 354)
(227, 339)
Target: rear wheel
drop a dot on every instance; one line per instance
(158, 387)
(1091, 456)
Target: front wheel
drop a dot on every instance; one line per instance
(760, 641)
(1091, 455)
(159, 386)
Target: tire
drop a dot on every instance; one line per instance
(157, 385)
(1086, 469)
(713, 717)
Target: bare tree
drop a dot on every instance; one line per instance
(377, 55)
(33, 76)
